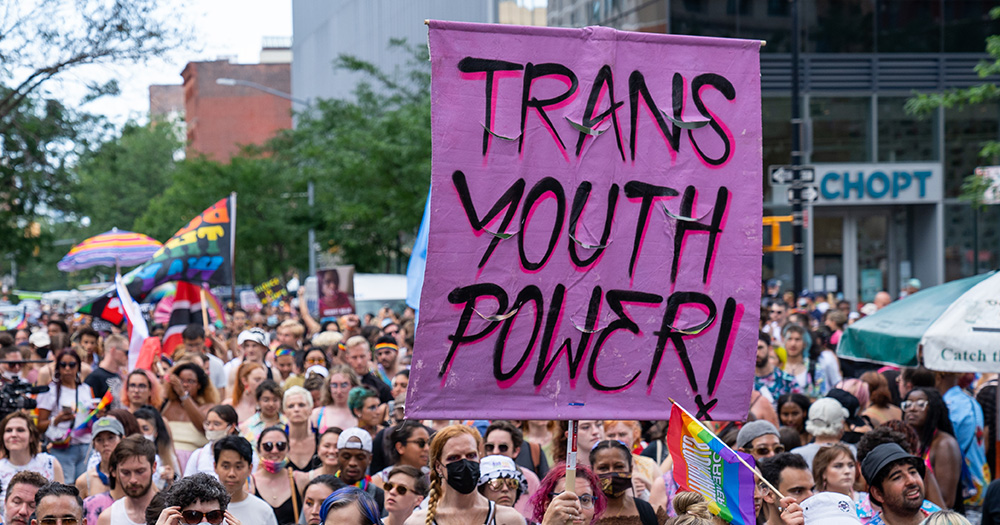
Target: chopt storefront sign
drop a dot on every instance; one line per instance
(898, 183)
(592, 251)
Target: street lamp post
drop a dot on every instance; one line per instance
(310, 193)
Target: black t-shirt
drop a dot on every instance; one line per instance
(101, 380)
(384, 390)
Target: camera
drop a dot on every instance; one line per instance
(13, 396)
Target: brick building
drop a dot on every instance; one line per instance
(222, 118)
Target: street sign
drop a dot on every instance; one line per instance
(785, 174)
(803, 194)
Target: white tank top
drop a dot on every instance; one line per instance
(119, 516)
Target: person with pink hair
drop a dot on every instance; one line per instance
(553, 504)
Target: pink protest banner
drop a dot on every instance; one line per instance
(595, 229)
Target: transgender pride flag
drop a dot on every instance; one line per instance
(704, 464)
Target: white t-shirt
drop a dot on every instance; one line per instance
(217, 371)
(253, 511)
(82, 398)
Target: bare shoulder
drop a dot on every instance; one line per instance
(105, 517)
(509, 516)
(418, 517)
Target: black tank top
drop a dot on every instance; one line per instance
(284, 513)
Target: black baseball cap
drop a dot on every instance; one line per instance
(883, 456)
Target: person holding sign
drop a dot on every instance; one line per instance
(612, 462)
(553, 504)
(453, 498)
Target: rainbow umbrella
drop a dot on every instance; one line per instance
(115, 248)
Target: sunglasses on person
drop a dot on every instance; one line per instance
(764, 450)
(499, 484)
(919, 404)
(272, 445)
(194, 517)
(400, 488)
(420, 443)
(502, 448)
(57, 521)
(586, 500)
(67, 364)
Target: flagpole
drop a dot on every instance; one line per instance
(740, 459)
(232, 249)
(574, 426)
(204, 309)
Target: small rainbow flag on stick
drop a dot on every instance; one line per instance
(105, 401)
(86, 423)
(704, 464)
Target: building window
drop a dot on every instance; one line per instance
(965, 131)
(903, 137)
(778, 7)
(841, 129)
(962, 226)
(776, 119)
(693, 6)
(738, 7)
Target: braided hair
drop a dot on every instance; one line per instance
(437, 450)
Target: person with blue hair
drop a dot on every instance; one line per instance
(349, 506)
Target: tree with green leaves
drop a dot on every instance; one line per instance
(40, 137)
(41, 39)
(116, 181)
(270, 229)
(923, 104)
(369, 158)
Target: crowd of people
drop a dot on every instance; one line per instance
(282, 419)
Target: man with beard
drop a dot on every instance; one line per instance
(771, 381)
(132, 464)
(233, 461)
(19, 504)
(896, 484)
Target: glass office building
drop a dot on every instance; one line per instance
(889, 182)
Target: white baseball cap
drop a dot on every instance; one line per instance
(256, 335)
(496, 466)
(829, 508)
(317, 369)
(40, 339)
(364, 439)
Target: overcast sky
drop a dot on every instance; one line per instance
(221, 27)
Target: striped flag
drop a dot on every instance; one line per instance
(137, 329)
(704, 464)
(187, 310)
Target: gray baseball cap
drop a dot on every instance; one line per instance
(108, 424)
(754, 430)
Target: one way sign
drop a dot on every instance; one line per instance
(785, 174)
(803, 194)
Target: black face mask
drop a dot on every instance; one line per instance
(463, 475)
(615, 484)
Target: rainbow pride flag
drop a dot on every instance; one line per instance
(704, 464)
(85, 425)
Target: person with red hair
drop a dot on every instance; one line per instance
(552, 504)
(454, 476)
